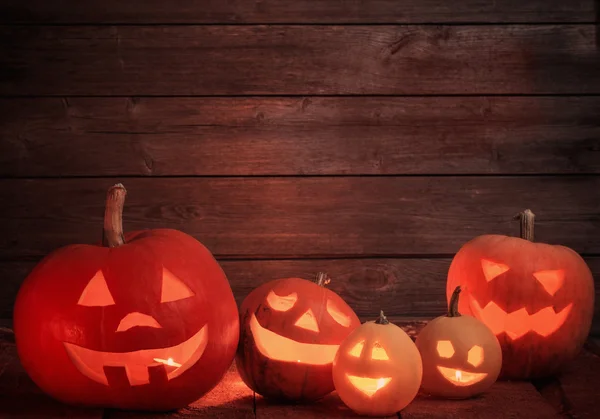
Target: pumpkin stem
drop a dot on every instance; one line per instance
(382, 319)
(322, 279)
(112, 235)
(527, 219)
(453, 306)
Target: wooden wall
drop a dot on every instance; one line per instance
(369, 139)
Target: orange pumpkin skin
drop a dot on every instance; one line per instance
(77, 343)
(290, 330)
(461, 356)
(378, 370)
(537, 298)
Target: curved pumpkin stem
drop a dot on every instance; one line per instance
(453, 306)
(113, 216)
(527, 219)
(382, 319)
(322, 279)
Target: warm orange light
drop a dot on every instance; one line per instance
(551, 280)
(461, 378)
(368, 386)
(96, 293)
(445, 349)
(168, 362)
(337, 315)
(280, 348)
(378, 352)
(518, 323)
(173, 288)
(279, 303)
(307, 321)
(91, 363)
(493, 269)
(357, 349)
(137, 320)
(475, 356)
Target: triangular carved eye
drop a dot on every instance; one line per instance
(493, 269)
(96, 293)
(173, 288)
(551, 280)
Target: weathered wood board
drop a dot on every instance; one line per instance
(299, 60)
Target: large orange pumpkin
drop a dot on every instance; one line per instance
(147, 321)
(290, 332)
(538, 299)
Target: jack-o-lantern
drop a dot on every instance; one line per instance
(377, 370)
(147, 321)
(538, 299)
(290, 331)
(461, 356)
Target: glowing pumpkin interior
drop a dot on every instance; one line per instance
(142, 366)
(520, 322)
(456, 376)
(281, 348)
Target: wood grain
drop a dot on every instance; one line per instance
(298, 136)
(503, 400)
(297, 217)
(265, 60)
(410, 291)
(290, 11)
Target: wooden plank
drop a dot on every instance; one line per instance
(231, 398)
(504, 400)
(410, 291)
(264, 60)
(290, 11)
(297, 217)
(21, 398)
(579, 386)
(401, 287)
(292, 136)
(330, 406)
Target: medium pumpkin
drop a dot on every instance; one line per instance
(461, 356)
(538, 299)
(290, 331)
(147, 321)
(377, 370)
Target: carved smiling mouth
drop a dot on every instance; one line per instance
(174, 360)
(518, 323)
(369, 386)
(279, 348)
(461, 378)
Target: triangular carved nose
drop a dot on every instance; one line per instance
(137, 319)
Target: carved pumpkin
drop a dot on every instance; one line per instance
(147, 321)
(538, 299)
(377, 370)
(290, 331)
(461, 356)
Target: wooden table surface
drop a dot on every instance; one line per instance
(572, 395)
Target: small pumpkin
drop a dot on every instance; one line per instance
(146, 322)
(538, 299)
(461, 356)
(290, 332)
(377, 370)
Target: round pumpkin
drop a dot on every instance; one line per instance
(461, 356)
(377, 370)
(146, 321)
(538, 299)
(290, 331)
